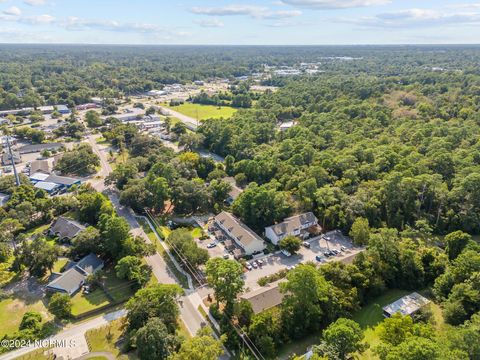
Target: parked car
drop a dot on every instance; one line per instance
(286, 253)
(343, 248)
(335, 251)
(327, 254)
(319, 258)
(254, 264)
(260, 262)
(306, 244)
(226, 256)
(211, 245)
(248, 266)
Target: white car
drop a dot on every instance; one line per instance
(211, 245)
(248, 266)
(343, 248)
(286, 253)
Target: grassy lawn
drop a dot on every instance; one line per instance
(37, 230)
(59, 264)
(82, 302)
(35, 355)
(298, 347)
(204, 111)
(5, 274)
(105, 338)
(12, 311)
(371, 315)
(182, 330)
(119, 289)
(196, 232)
(147, 229)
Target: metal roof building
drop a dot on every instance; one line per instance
(407, 305)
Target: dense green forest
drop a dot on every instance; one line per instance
(398, 150)
(32, 75)
(384, 144)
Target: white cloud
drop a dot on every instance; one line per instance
(38, 19)
(257, 12)
(76, 24)
(13, 10)
(35, 2)
(335, 4)
(418, 18)
(211, 23)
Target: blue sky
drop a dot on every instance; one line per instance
(262, 22)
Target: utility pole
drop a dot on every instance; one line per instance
(17, 179)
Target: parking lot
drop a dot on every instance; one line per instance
(318, 245)
(217, 251)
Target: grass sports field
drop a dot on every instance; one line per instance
(204, 111)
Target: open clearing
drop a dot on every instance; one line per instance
(203, 112)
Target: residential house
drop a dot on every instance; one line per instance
(265, 297)
(65, 229)
(297, 225)
(73, 279)
(243, 236)
(407, 305)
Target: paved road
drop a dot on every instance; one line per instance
(73, 338)
(190, 122)
(189, 313)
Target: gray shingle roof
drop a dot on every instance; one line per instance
(236, 228)
(72, 279)
(90, 264)
(39, 147)
(69, 282)
(292, 223)
(66, 228)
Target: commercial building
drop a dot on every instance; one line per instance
(243, 236)
(28, 149)
(407, 305)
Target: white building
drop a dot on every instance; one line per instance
(407, 305)
(243, 236)
(295, 225)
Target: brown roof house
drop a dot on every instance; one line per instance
(265, 297)
(243, 236)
